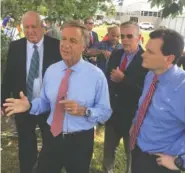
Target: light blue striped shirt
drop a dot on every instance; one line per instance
(87, 86)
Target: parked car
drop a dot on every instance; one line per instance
(146, 25)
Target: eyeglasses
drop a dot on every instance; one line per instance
(129, 36)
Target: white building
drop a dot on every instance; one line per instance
(138, 12)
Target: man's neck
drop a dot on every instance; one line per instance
(162, 70)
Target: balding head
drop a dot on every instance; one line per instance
(114, 34)
(32, 25)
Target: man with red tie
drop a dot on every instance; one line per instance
(159, 125)
(74, 109)
(125, 78)
(93, 38)
(89, 23)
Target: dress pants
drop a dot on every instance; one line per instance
(73, 151)
(27, 139)
(146, 163)
(112, 140)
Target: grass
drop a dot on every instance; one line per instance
(9, 153)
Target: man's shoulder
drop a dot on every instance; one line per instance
(18, 42)
(93, 70)
(49, 39)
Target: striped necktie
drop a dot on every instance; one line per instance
(141, 113)
(33, 72)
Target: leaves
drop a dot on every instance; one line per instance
(169, 7)
(58, 9)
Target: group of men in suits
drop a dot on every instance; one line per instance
(124, 71)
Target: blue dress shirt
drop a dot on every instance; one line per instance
(163, 129)
(130, 57)
(87, 86)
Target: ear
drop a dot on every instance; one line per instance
(170, 59)
(139, 37)
(84, 48)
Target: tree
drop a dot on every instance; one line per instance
(58, 9)
(169, 7)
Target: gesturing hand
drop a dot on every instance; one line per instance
(117, 75)
(73, 108)
(13, 106)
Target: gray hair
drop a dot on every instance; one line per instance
(78, 24)
(131, 24)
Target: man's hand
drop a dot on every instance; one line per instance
(131, 129)
(13, 106)
(2, 111)
(117, 75)
(166, 161)
(73, 108)
(106, 54)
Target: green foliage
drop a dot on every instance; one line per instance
(169, 7)
(4, 51)
(58, 9)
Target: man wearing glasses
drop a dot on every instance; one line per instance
(125, 78)
(93, 37)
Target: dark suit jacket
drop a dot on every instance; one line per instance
(124, 96)
(14, 79)
(181, 62)
(95, 38)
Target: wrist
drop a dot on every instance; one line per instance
(29, 107)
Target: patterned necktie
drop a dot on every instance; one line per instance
(58, 116)
(142, 112)
(123, 64)
(33, 72)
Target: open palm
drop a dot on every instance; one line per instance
(13, 106)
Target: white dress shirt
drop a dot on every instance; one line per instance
(38, 81)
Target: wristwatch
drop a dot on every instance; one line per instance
(88, 112)
(179, 163)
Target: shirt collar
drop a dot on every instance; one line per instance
(30, 44)
(168, 75)
(76, 67)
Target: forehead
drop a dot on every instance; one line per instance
(73, 32)
(30, 20)
(128, 30)
(154, 44)
(115, 31)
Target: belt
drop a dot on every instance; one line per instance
(65, 134)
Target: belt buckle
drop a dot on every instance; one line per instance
(63, 134)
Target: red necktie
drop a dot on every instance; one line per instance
(142, 112)
(58, 117)
(123, 64)
(91, 37)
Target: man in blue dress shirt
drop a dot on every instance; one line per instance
(84, 108)
(162, 129)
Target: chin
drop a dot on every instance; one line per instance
(144, 65)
